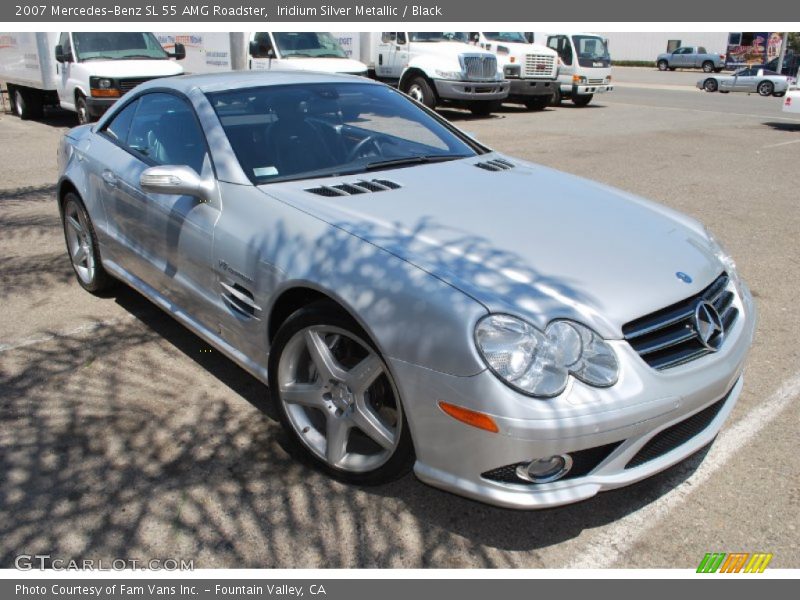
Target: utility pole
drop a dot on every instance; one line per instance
(782, 55)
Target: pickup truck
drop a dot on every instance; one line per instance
(691, 57)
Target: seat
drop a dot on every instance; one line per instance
(179, 140)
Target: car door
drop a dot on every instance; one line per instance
(745, 80)
(680, 57)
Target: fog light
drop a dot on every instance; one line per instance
(547, 469)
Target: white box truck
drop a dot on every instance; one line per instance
(81, 72)
(261, 50)
(584, 65)
(531, 69)
(436, 68)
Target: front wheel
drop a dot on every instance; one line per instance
(420, 90)
(538, 102)
(556, 99)
(710, 85)
(82, 246)
(83, 111)
(337, 399)
(582, 100)
(766, 88)
(663, 65)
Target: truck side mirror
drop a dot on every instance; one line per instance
(180, 51)
(260, 50)
(61, 56)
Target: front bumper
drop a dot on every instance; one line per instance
(584, 90)
(527, 88)
(98, 106)
(469, 91)
(453, 456)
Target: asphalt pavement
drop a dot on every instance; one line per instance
(124, 436)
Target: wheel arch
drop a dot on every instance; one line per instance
(412, 72)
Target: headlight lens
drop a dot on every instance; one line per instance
(448, 74)
(540, 363)
(727, 262)
(104, 84)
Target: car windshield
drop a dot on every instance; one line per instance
(439, 36)
(119, 45)
(513, 37)
(308, 44)
(287, 132)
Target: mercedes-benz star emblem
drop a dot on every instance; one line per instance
(708, 325)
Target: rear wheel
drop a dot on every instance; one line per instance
(766, 88)
(663, 65)
(710, 85)
(582, 100)
(420, 90)
(708, 66)
(27, 104)
(537, 102)
(337, 399)
(82, 246)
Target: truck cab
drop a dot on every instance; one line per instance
(304, 51)
(531, 69)
(584, 66)
(437, 68)
(96, 68)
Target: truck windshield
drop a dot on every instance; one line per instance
(117, 46)
(308, 44)
(439, 36)
(302, 131)
(592, 51)
(512, 37)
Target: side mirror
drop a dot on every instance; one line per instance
(178, 180)
(180, 51)
(260, 50)
(61, 56)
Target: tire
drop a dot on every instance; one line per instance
(82, 246)
(724, 91)
(483, 108)
(710, 85)
(663, 65)
(83, 111)
(27, 104)
(672, 68)
(312, 360)
(556, 99)
(420, 90)
(766, 88)
(708, 66)
(582, 100)
(779, 94)
(538, 102)
(718, 70)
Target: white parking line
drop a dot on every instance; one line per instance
(710, 112)
(611, 544)
(86, 328)
(782, 144)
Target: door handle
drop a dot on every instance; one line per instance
(110, 178)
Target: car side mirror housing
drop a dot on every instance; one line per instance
(177, 180)
(179, 53)
(61, 56)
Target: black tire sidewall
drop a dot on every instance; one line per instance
(326, 313)
(582, 100)
(428, 96)
(663, 65)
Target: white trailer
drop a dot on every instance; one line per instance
(81, 72)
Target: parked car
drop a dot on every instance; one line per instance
(691, 57)
(333, 237)
(750, 79)
(792, 102)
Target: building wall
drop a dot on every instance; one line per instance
(646, 46)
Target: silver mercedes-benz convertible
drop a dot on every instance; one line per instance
(411, 298)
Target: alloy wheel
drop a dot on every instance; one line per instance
(79, 242)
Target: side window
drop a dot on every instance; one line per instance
(119, 126)
(388, 37)
(401, 37)
(701, 50)
(560, 43)
(65, 43)
(165, 131)
(263, 40)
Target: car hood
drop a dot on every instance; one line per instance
(133, 68)
(528, 240)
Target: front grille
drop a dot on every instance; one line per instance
(539, 65)
(126, 85)
(600, 81)
(583, 463)
(480, 67)
(668, 337)
(676, 435)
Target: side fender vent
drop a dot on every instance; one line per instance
(240, 300)
(496, 164)
(351, 188)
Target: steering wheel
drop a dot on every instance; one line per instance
(374, 140)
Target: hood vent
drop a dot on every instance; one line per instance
(497, 164)
(355, 187)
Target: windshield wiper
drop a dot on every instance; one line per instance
(140, 56)
(97, 58)
(412, 160)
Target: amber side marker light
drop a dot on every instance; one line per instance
(107, 93)
(470, 417)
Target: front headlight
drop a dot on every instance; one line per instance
(449, 74)
(725, 259)
(539, 363)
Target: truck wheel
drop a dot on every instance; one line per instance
(27, 105)
(708, 66)
(710, 85)
(484, 108)
(663, 65)
(82, 110)
(766, 88)
(582, 100)
(537, 102)
(420, 90)
(556, 99)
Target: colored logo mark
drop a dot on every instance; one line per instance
(735, 562)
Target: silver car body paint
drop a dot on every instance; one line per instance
(417, 267)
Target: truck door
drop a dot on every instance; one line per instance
(392, 56)
(66, 73)
(259, 50)
(563, 46)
